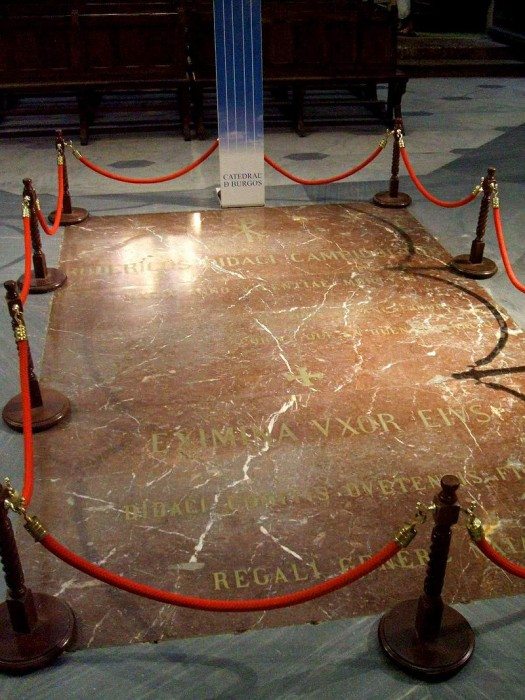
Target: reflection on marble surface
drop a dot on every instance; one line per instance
(260, 398)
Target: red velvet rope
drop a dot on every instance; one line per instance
(185, 601)
(27, 259)
(503, 250)
(78, 562)
(324, 180)
(426, 193)
(23, 353)
(60, 203)
(496, 558)
(95, 571)
(152, 180)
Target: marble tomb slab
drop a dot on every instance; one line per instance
(260, 397)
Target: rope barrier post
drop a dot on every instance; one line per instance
(394, 199)
(48, 406)
(475, 265)
(43, 278)
(35, 628)
(425, 637)
(70, 215)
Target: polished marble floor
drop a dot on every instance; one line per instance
(244, 380)
(455, 130)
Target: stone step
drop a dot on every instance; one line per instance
(463, 69)
(451, 46)
(456, 55)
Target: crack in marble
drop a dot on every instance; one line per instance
(96, 627)
(149, 528)
(73, 584)
(258, 621)
(108, 556)
(159, 478)
(281, 351)
(245, 295)
(213, 514)
(217, 268)
(282, 546)
(315, 310)
(204, 483)
(213, 518)
(356, 367)
(236, 444)
(110, 505)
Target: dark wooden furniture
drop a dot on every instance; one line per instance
(508, 23)
(311, 43)
(90, 47)
(87, 48)
(201, 55)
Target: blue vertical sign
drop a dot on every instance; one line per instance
(238, 60)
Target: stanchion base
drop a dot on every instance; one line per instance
(55, 629)
(54, 279)
(383, 199)
(435, 660)
(76, 216)
(55, 408)
(478, 271)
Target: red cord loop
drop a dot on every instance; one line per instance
(151, 180)
(27, 259)
(95, 571)
(427, 194)
(503, 250)
(23, 352)
(172, 598)
(185, 601)
(499, 559)
(324, 180)
(50, 231)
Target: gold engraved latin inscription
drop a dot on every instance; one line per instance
(363, 256)
(186, 505)
(198, 438)
(266, 576)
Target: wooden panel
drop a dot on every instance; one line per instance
(118, 44)
(320, 39)
(112, 40)
(377, 45)
(81, 47)
(306, 39)
(98, 47)
(35, 47)
(342, 44)
(278, 44)
(36, 8)
(130, 43)
(309, 44)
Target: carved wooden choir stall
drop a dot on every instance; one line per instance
(88, 48)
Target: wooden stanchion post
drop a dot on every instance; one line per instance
(35, 628)
(393, 198)
(475, 265)
(48, 406)
(424, 636)
(70, 215)
(43, 278)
